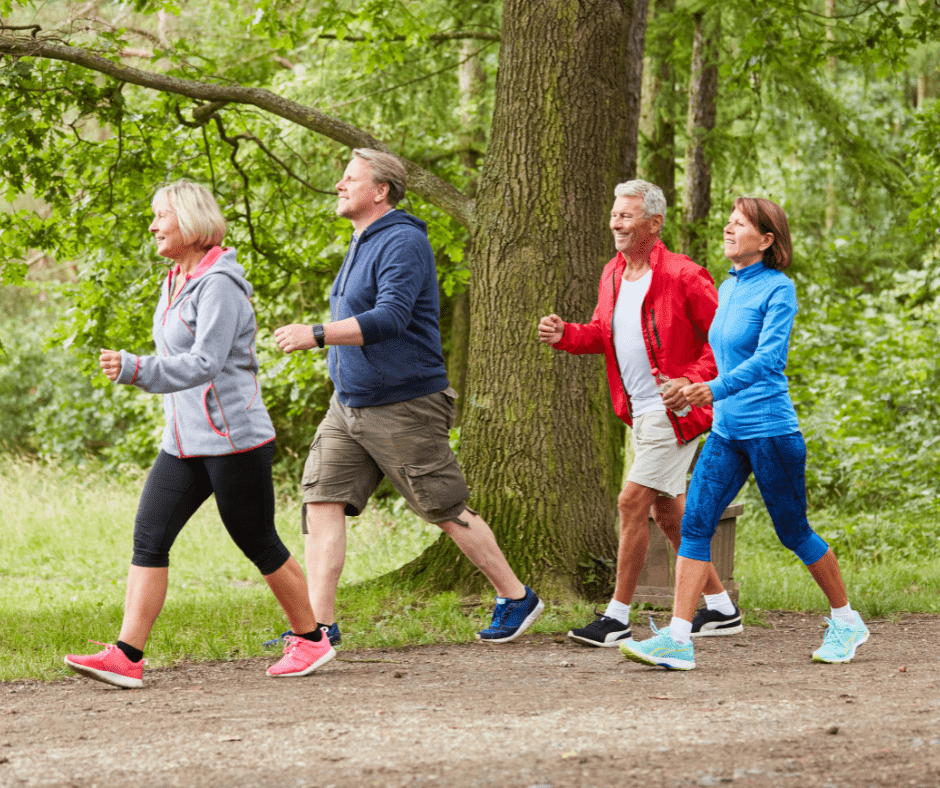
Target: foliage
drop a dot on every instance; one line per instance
(88, 154)
(864, 377)
(814, 112)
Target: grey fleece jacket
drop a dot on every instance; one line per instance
(205, 363)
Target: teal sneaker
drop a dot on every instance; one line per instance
(660, 650)
(841, 641)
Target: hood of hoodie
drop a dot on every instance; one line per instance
(390, 219)
(219, 261)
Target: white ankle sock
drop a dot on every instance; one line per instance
(844, 614)
(618, 611)
(680, 630)
(720, 602)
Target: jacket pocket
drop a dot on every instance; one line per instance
(214, 413)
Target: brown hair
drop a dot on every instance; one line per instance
(768, 217)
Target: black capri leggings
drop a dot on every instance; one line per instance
(244, 493)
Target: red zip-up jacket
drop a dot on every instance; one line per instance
(676, 314)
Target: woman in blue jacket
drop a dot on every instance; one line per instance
(218, 438)
(755, 430)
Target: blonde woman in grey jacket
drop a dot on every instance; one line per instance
(218, 437)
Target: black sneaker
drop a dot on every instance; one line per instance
(603, 631)
(709, 623)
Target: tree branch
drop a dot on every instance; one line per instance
(457, 35)
(429, 187)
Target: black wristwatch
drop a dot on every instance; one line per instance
(319, 334)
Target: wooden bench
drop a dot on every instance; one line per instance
(657, 580)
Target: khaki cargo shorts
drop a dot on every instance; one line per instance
(660, 462)
(406, 441)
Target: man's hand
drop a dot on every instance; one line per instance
(110, 363)
(698, 394)
(674, 399)
(551, 329)
(296, 336)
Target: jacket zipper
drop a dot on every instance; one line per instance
(613, 344)
(344, 271)
(646, 320)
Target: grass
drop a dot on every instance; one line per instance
(65, 544)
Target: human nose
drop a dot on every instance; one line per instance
(153, 226)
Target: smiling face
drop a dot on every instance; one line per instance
(634, 234)
(360, 199)
(744, 243)
(166, 231)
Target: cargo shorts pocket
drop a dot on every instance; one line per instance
(311, 474)
(438, 485)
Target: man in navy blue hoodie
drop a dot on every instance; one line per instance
(392, 408)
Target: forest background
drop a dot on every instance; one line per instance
(515, 119)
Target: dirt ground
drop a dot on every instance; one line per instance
(538, 712)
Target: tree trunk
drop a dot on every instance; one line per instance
(703, 92)
(472, 81)
(657, 121)
(540, 446)
(633, 98)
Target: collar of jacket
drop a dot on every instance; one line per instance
(204, 265)
(749, 271)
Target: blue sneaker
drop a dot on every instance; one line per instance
(512, 617)
(660, 650)
(332, 633)
(841, 640)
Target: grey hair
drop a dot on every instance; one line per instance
(197, 212)
(386, 168)
(654, 201)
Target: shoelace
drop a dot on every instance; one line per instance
(835, 635)
(499, 615)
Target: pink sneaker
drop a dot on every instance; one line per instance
(302, 657)
(109, 666)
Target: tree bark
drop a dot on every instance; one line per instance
(658, 112)
(472, 81)
(539, 445)
(703, 94)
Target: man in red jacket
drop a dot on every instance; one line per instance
(653, 312)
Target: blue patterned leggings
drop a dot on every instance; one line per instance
(779, 467)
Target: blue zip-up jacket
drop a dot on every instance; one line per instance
(388, 282)
(205, 365)
(750, 337)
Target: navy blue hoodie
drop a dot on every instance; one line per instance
(388, 282)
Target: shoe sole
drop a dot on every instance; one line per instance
(849, 658)
(597, 643)
(660, 662)
(714, 630)
(279, 643)
(308, 670)
(529, 620)
(105, 676)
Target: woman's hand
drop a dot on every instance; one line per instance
(551, 329)
(674, 399)
(110, 363)
(698, 394)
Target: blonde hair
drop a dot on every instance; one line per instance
(197, 212)
(386, 168)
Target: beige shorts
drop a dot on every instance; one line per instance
(409, 442)
(660, 462)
